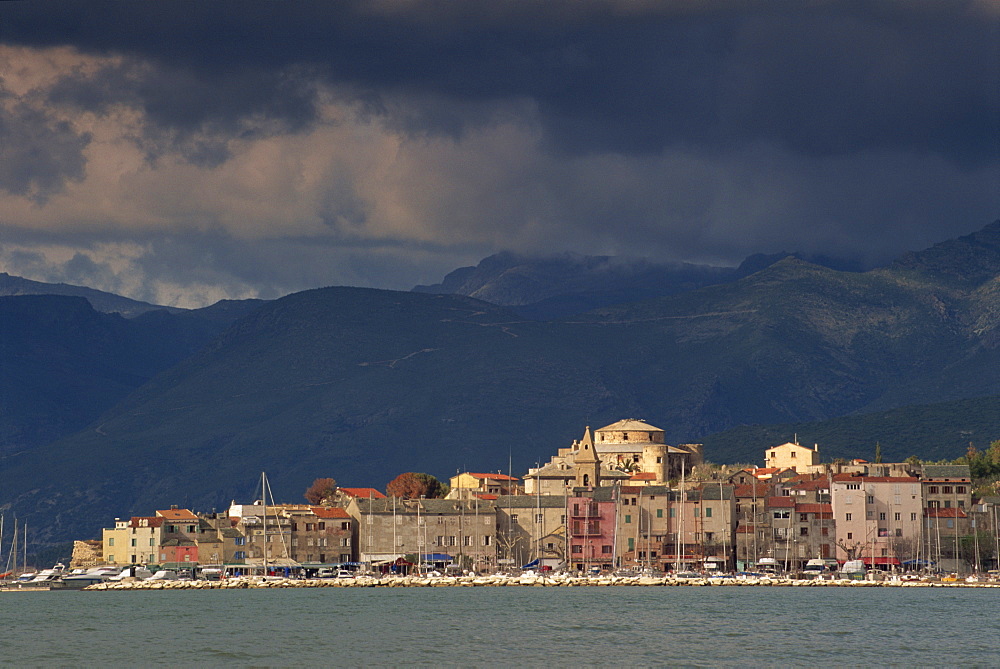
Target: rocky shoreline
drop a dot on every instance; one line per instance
(517, 581)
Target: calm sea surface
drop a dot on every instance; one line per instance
(554, 627)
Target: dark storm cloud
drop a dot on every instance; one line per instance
(37, 153)
(818, 78)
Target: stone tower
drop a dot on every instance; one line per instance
(587, 463)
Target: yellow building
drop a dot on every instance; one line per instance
(792, 456)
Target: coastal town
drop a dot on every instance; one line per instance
(618, 500)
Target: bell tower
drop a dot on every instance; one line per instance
(588, 465)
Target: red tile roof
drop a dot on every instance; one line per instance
(643, 476)
(747, 490)
(483, 495)
(780, 502)
(953, 512)
(495, 477)
(362, 492)
(330, 512)
(821, 483)
(177, 514)
(857, 478)
(151, 521)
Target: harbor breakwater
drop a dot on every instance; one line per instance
(518, 581)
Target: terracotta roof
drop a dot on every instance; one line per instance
(643, 476)
(151, 521)
(177, 514)
(330, 512)
(952, 512)
(780, 502)
(813, 508)
(483, 495)
(362, 492)
(820, 483)
(747, 490)
(855, 478)
(494, 477)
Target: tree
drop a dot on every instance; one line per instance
(320, 491)
(878, 453)
(411, 485)
(853, 550)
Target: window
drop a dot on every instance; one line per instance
(933, 490)
(238, 541)
(697, 512)
(898, 516)
(848, 499)
(871, 499)
(659, 513)
(631, 543)
(111, 558)
(151, 544)
(881, 515)
(950, 524)
(538, 517)
(466, 540)
(562, 519)
(577, 549)
(850, 535)
(960, 489)
(913, 516)
(899, 532)
(111, 542)
(946, 490)
(321, 526)
(133, 542)
(825, 531)
(628, 518)
(708, 512)
(606, 550)
(673, 512)
(486, 540)
(847, 517)
(240, 555)
(803, 517)
(513, 517)
(869, 515)
(854, 486)
(803, 531)
(792, 454)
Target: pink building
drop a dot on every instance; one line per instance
(877, 518)
(592, 517)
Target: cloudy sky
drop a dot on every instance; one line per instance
(184, 152)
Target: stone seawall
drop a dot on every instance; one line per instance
(517, 581)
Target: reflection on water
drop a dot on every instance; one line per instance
(558, 627)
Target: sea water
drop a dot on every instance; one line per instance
(510, 626)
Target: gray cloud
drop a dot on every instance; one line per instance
(286, 145)
(37, 153)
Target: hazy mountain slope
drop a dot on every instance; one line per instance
(548, 287)
(935, 431)
(108, 303)
(62, 363)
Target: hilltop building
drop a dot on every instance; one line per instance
(792, 456)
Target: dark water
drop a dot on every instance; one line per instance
(555, 627)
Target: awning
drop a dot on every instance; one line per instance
(436, 557)
(881, 560)
(531, 565)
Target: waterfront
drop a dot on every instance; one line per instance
(582, 626)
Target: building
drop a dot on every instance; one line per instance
(635, 446)
(878, 518)
(592, 517)
(468, 484)
(321, 535)
(393, 528)
(532, 527)
(792, 456)
(134, 541)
